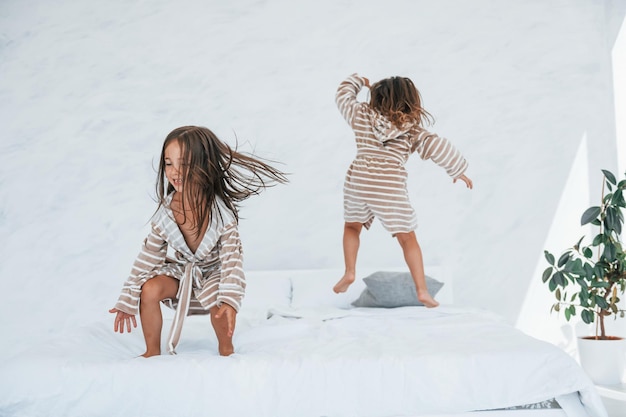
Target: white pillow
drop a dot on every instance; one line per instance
(314, 288)
(265, 290)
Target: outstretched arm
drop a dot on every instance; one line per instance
(439, 150)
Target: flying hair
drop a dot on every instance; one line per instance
(211, 170)
(397, 99)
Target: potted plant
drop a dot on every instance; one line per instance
(590, 280)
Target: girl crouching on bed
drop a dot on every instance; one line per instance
(199, 183)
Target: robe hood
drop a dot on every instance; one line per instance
(384, 130)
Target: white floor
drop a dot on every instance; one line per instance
(615, 408)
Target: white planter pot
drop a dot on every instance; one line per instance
(603, 360)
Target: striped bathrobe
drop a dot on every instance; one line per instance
(375, 184)
(211, 276)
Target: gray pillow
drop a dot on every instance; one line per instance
(393, 289)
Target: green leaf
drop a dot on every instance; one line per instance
(611, 219)
(558, 294)
(618, 226)
(567, 314)
(576, 267)
(602, 303)
(572, 310)
(609, 252)
(619, 220)
(587, 252)
(599, 239)
(609, 176)
(598, 271)
(549, 257)
(615, 200)
(546, 274)
(564, 258)
(587, 316)
(560, 278)
(552, 284)
(590, 214)
(557, 307)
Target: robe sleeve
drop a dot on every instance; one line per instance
(431, 146)
(232, 281)
(346, 97)
(153, 253)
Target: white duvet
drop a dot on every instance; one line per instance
(300, 363)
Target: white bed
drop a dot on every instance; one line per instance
(302, 351)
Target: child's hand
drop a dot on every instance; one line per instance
(366, 82)
(229, 313)
(122, 318)
(466, 180)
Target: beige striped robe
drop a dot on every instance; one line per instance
(375, 184)
(211, 276)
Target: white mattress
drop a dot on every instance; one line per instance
(328, 362)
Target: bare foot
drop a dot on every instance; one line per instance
(149, 354)
(344, 283)
(226, 349)
(427, 300)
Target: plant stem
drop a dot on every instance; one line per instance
(602, 331)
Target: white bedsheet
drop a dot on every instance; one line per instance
(326, 362)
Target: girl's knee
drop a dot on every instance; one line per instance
(153, 290)
(150, 291)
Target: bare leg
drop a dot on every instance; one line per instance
(413, 258)
(351, 242)
(224, 341)
(152, 292)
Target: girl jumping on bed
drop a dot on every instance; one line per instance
(388, 130)
(199, 183)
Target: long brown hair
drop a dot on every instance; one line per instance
(397, 99)
(213, 169)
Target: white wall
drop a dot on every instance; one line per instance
(88, 91)
(564, 230)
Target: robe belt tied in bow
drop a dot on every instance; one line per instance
(191, 276)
